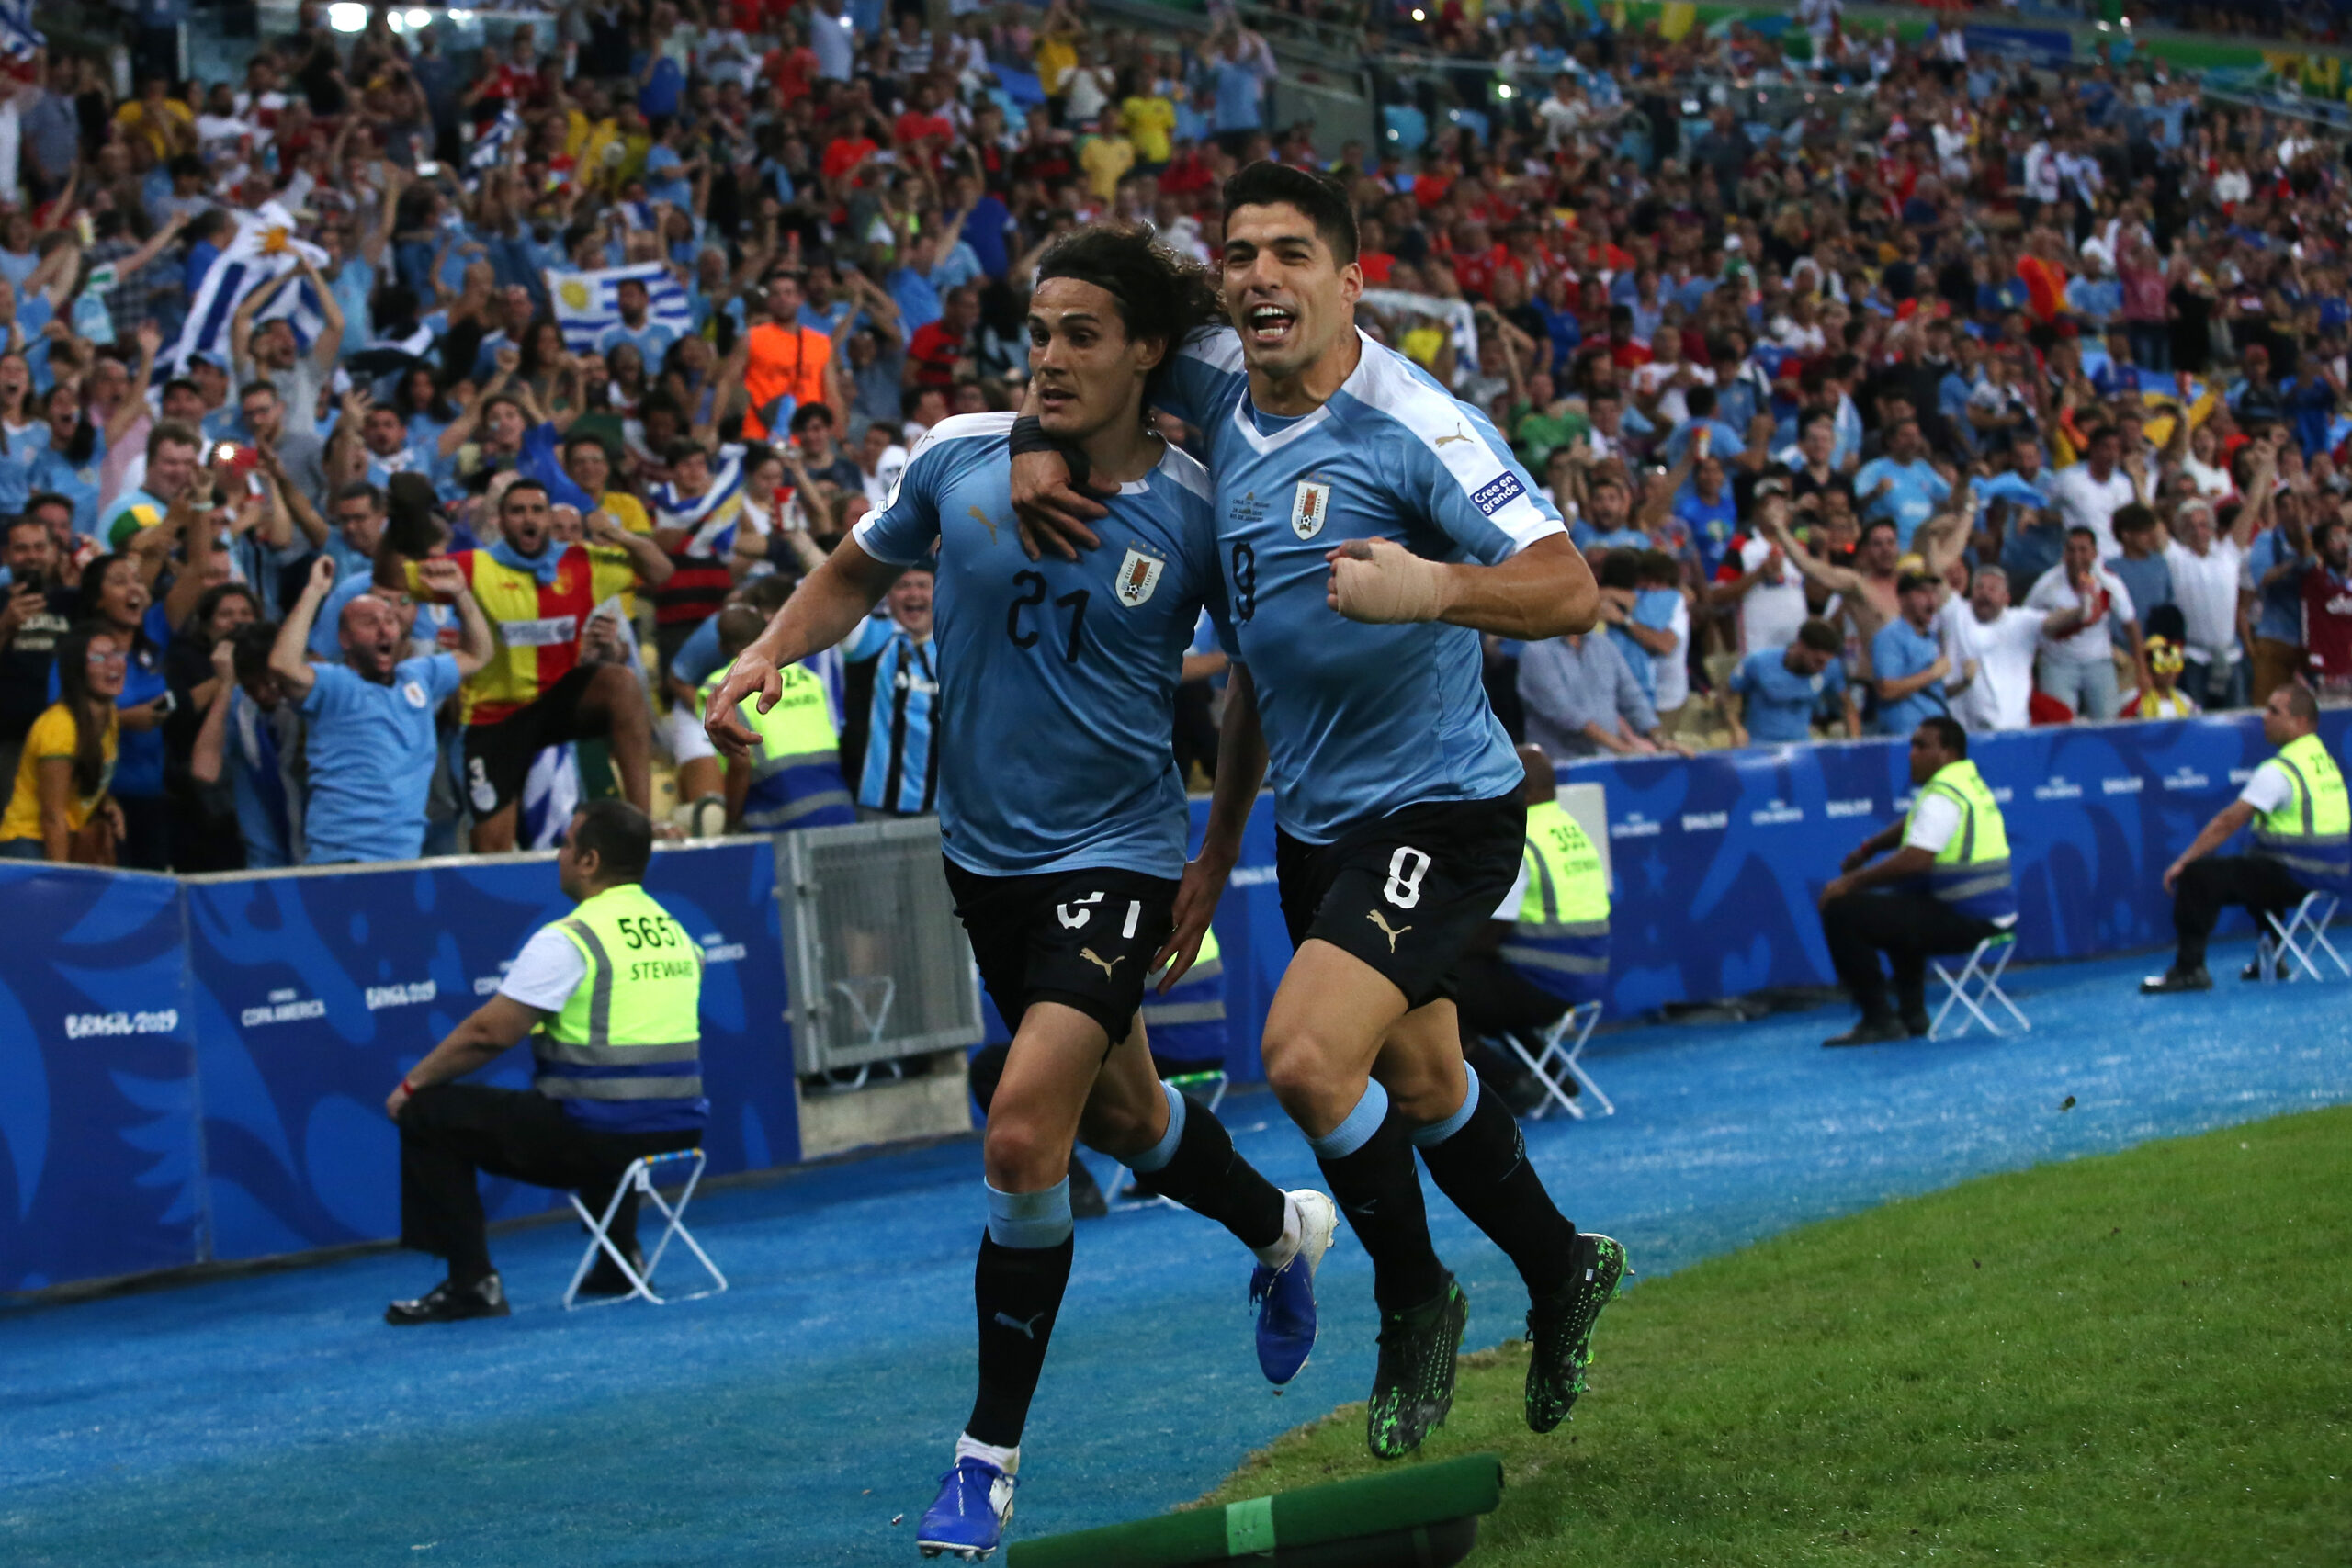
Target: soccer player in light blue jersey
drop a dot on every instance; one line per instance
(1062, 817)
(1369, 527)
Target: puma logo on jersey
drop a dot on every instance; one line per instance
(1105, 966)
(1026, 1330)
(1459, 435)
(985, 521)
(1391, 933)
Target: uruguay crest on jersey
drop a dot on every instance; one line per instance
(1138, 575)
(1309, 508)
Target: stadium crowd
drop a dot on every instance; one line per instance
(1878, 385)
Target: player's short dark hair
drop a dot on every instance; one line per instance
(685, 447)
(40, 499)
(807, 414)
(2080, 531)
(1874, 524)
(2300, 704)
(1951, 737)
(2132, 518)
(1621, 569)
(1321, 198)
(360, 489)
(1161, 296)
(1819, 635)
(579, 439)
(618, 835)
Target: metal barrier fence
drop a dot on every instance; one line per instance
(874, 960)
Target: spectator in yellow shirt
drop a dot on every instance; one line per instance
(1106, 156)
(1149, 119)
(165, 123)
(69, 755)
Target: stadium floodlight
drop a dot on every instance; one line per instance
(1420, 14)
(420, 17)
(1502, 89)
(347, 16)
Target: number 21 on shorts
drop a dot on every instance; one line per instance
(1406, 869)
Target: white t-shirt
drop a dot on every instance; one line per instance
(546, 973)
(2091, 644)
(2269, 789)
(2004, 650)
(1672, 405)
(1769, 613)
(2206, 588)
(2084, 502)
(1674, 669)
(1933, 822)
(2212, 483)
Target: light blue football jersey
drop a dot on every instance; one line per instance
(1057, 678)
(1360, 720)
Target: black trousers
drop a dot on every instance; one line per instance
(1491, 998)
(2209, 885)
(1905, 925)
(450, 1132)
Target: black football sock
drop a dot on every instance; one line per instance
(1369, 1164)
(1195, 1164)
(1017, 1287)
(1478, 1158)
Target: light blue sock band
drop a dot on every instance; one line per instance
(1357, 1130)
(1030, 1220)
(1436, 1133)
(1157, 1157)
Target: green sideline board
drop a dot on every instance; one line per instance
(1404, 1499)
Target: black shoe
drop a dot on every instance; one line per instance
(1914, 1023)
(1413, 1387)
(606, 1278)
(449, 1303)
(2279, 971)
(1559, 1331)
(2176, 979)
(1883, 1030)
(1086, 1201)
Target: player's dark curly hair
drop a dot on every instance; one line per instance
(1161, 295)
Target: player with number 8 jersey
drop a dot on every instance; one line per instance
(1063, 819)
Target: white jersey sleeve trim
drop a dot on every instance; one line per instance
(956, 427)
(1186, 471)
(1219, 348)
(1463, 440)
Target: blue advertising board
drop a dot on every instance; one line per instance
(100, 1161)
(2047, 47)
(197, 1070)
(314, 993)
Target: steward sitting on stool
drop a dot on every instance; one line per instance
(1546, 949)
(611, 998)
(2302, 840)
(1948, 888)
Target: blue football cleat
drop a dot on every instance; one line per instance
(1285, 1297)
(975, 1504)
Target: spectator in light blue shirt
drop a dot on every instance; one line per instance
(652, 338)
(1238, 77)
(1907, 663)
(1775, 691)
(368, 721)
(1901, 485)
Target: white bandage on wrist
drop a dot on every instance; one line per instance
(1383, 582)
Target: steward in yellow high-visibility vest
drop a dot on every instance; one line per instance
(793, 778)
(1545, 948)
(2302, 842)
(610, 997)
(1560, 929)
(1186, 1027)
(1942, 886)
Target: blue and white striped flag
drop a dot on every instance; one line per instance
(490, 147)
(20, 39)
(264, 248)
(587, 303)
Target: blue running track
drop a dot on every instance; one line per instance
(276, 1420)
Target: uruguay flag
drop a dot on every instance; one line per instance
(490, 150)
(264, 248)
(20, 39)
(588, 302)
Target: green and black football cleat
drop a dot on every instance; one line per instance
(1559, 1331)
(1413, 1388)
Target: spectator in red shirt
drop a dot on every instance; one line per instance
(922, 135)
(932, 355)
(2327, 607)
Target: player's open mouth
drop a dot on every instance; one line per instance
(1269, 323)
(1055, 399)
